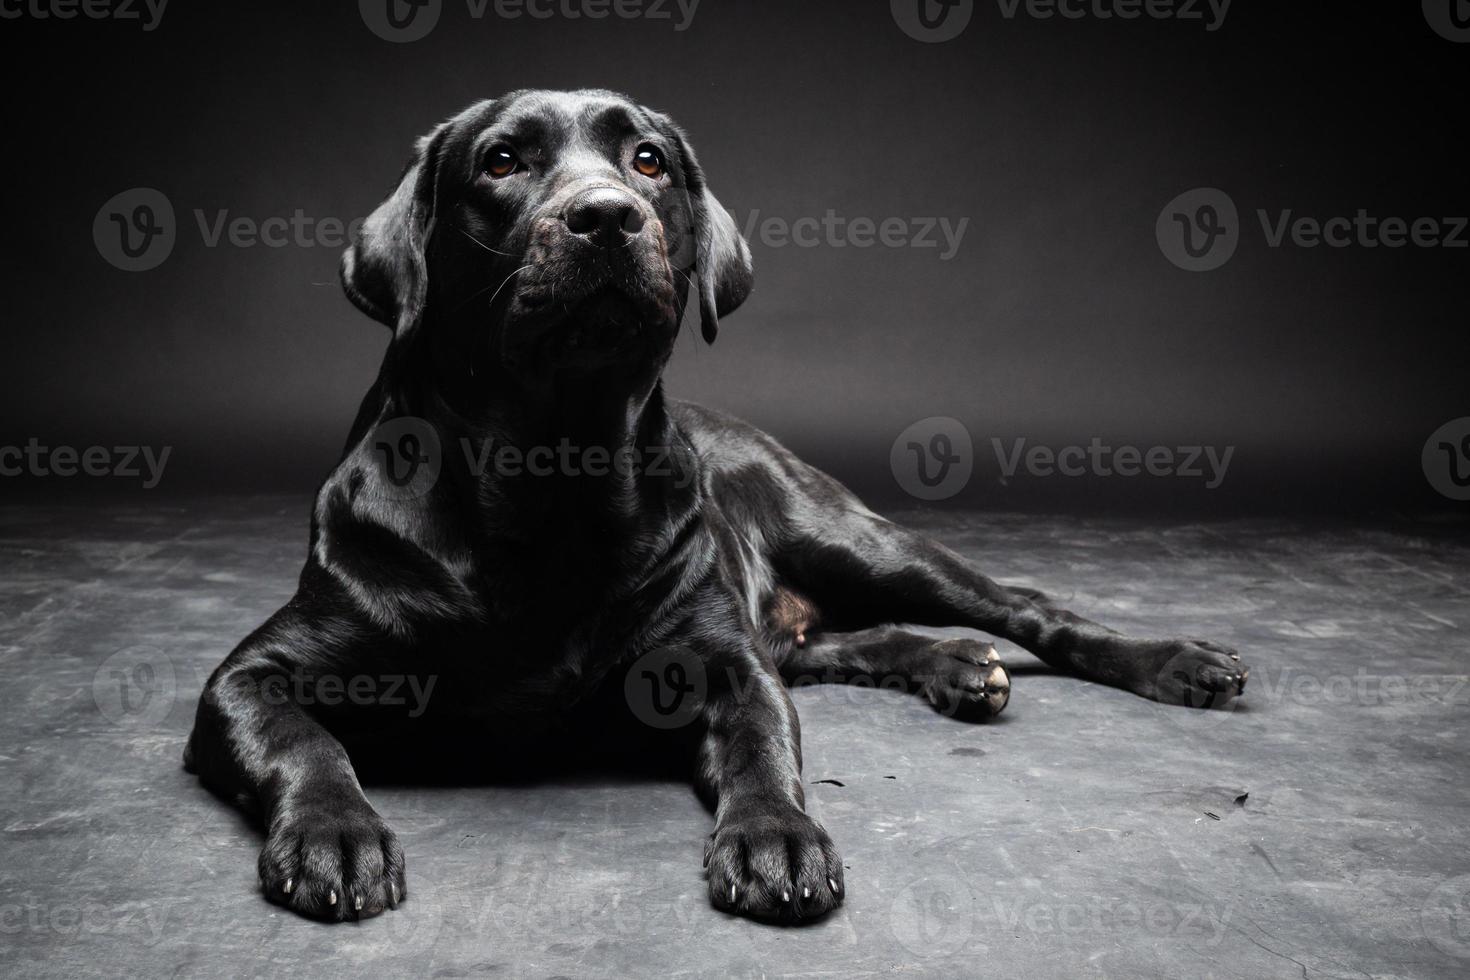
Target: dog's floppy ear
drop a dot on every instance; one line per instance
(384, 271)
(723, 271)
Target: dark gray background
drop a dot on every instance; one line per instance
(1059, 319)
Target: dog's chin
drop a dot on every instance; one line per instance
(607, 327)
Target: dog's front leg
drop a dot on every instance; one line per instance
(766, 857)
(327, 852)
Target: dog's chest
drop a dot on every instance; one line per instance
(564, 612)
(538, 668)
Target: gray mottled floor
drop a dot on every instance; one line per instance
(1088, 833)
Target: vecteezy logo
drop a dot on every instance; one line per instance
(416, 924)
(1446, 459)
(135, 230)
(400, 21)
(1179, 681)
(679, 224)
(666, 688)
(932, 21)
(1449, 18)
(135, 686)
(1198, 230)
(408, 456)
(933, 458)
(941, 450)
(934, 916)
(1446, 917)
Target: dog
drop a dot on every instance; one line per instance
(534, 264)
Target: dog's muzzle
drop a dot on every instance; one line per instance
(598, 286)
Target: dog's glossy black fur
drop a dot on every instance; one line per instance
(534, 264)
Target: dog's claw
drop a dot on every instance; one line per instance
(765, 857)
(1220, 680)
(331, 863)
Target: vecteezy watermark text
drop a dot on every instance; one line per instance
(1211, 13)
(127, 462)
(136, 230)
(934, 21)
(1201, 923)
(275, 231)
(307, 688)
(148, 12)
(410, 456)
(142, 920)
(1362, 230)
(568, 459)
(1097, 458)
(402, 21)
(833, 230)
(934, 458)
(1200, 229)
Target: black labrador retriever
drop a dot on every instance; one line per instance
(593, 536)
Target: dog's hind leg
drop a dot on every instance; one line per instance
(962, 678)
(861, 570)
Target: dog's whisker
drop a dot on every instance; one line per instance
(481, 292)
(507, 280)
(482, 244)
(686, 321)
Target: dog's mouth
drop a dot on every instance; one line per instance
(607, 322)
(599, 318)
(596, 328)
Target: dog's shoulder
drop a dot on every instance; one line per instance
(723, 440)
(383, 537)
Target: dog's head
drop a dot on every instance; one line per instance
(551, 232)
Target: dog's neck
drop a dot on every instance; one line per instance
(595, 450)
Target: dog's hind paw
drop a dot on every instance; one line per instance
(775, 863)
(1199, 674)
(332, 862)
(967, 680)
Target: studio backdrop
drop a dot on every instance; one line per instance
(1008, 254)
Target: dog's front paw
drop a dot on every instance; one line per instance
(332, 862)
(1199, 674)
(773, 863)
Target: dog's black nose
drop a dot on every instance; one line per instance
(606, 215)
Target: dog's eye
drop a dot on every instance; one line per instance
(648, 161)
(501, 161)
